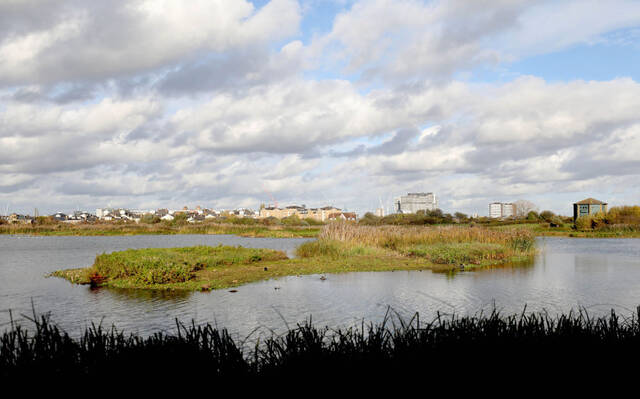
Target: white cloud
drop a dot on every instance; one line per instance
(295, 115)
(550, 26)
(433, 40)
(48, 138)
(86, 40)
(151, 103)
(526, 135)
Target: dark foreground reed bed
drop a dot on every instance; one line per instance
(488, 347)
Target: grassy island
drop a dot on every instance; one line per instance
(340, 248)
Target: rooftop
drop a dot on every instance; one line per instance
(590, 201)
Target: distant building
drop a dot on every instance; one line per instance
(348, 216)
(60, 217)
(244, 213)
(380, 212)
(14, 218)
(414, 202)
(589, 206)
(196, 218)
(508, 210)
(320, 214)
(283, 213)
(495, 210)
(500, 210)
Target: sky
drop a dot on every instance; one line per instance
(232, 103)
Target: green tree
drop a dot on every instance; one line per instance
(584, 223)
(149, 218)
(461, 216)
(270, 221)
(547, 216)
(180, 218)
(292, 220)
(533, 215)
(45, 220)
(436, 213)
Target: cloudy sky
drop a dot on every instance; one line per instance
(228, 103)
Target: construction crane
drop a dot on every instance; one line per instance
(275, 203)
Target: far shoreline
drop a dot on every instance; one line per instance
(272, 231)
(131, 229)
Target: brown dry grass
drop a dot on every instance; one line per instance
(396, 237)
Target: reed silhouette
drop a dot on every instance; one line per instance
(448, 348)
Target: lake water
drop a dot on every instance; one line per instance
(593, 274)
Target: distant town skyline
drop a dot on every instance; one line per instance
(496, 209)
(234, 103)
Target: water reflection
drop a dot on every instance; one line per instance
(525, 266)
(144, 296)
(591, 263)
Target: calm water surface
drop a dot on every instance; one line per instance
(596, 274)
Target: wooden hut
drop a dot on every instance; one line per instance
(589, 206)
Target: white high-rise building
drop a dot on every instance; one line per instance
(508, 210)
(414, 202)
(495, 210)
(499, 210)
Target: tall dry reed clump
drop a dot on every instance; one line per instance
(440, 244)
(395, 237)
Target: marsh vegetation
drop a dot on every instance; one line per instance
(620, 220)
(448, 245)
(447, 347)
(340, 248)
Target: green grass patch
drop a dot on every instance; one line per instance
(165, 266)
(337, 249)
(461, 253)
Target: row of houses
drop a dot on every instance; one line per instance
(134, 215)
(15, 218)
(327, 213)
(75, 217)
(199, 214)
(193, 215)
